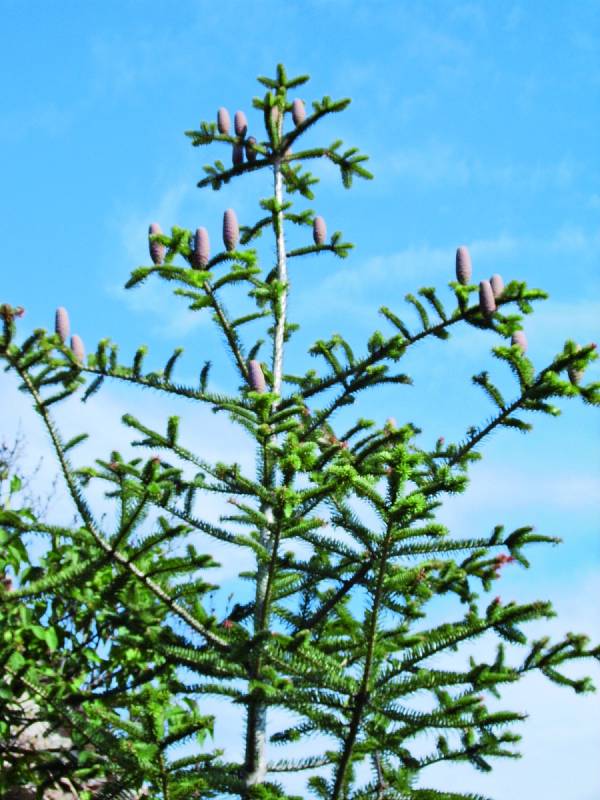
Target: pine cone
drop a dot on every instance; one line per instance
(61, 323)
(575, 375)
(256, 377)
(487, 303)
(275, 115)
(497, 285)
(237, 154)
(250, 151)
(464, 270)
(240, 123)
(231, 229)
(319, 230)
(201, 252)
(77, 348)
(298, 112)
(519, 339)
(157, 250)
(223, 121)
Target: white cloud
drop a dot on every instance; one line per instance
(436, 162)
(351, 289)
(46, 118)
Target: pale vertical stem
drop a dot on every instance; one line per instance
(282, 277)
(256, 728)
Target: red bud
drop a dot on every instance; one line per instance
(223, 121)
(319, 230)
(201, 252)
(464, 270)
(231, 229)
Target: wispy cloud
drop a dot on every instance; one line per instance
(351, 288)
(46, 118)
(439, 163)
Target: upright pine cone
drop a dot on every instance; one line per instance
(250, 151)
(157, 250)
(237, 154)
(575, 375)
(231, 229)
(275, 115)
(61, 323)
(223, 121)
(240, 123)
(77, 348)
(464, 270)
(487, 303)
(201, 252)
(319, 230)
(298, 112)
(497, 284)
(520, 340)
(256, 377)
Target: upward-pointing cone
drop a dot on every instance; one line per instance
(298, 112)
(250, 151)
(497, 284)
(223, 121)
(240, 123)
(520, 340)
(319, 230)
(231, 229)
(464, 270)
(157, 250)
(61, 323)
(201, 251)
(256, 377)
(78, 348)
(487, 303)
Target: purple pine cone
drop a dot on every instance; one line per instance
(275, 115)
(298, 112)
(520, 340)
(497, 285)
(77, 348)
(319, 230)
(237, 154)
(240, 123)
(250, 151)
(575, 375)
(231, 229)
(487, 303)
(256, 377)
(157, 250)
(464, 270)
(223, 121)
(61, 323)
(201, 252)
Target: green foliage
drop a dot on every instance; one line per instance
(110, 636)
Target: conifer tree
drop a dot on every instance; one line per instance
(109, 636)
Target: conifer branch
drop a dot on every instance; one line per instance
(91, 526)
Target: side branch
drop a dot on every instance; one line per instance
(91, 525)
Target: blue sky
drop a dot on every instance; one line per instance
(481, 120)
